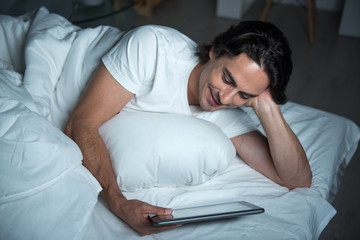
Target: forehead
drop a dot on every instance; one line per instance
(247, 74)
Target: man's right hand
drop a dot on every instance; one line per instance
(135, 214)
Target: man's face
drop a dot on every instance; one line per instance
(230, 82)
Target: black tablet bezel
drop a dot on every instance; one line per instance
(164, 220)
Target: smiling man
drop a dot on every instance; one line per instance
(226, 82)
(158, 69)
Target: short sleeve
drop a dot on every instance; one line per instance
(132, 61)
(232, 122)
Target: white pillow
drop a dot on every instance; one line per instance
(164, 150)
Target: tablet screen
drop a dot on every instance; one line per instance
(210, 210)
(203, 213)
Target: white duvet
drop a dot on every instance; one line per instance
(45, 192)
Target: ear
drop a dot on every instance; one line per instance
(212, 53)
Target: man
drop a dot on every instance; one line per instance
(158, 69)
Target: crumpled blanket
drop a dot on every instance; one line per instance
(45, 192)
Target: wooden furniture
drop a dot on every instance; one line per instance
(145, 7)
(311, 12)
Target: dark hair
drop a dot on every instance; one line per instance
(261, 41)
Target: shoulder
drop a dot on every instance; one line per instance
(161, 35)
(155, 30)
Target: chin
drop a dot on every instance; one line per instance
(205, 107)
(209, 108)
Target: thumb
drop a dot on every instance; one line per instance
(159, 210)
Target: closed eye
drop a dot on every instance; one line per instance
(228, 80)
(244, 96)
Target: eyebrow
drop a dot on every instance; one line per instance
(233, 82)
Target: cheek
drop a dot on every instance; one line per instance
(202, 85)
(206, 79)
(203, 78)
(211, 73)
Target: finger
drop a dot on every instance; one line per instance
(157, 210)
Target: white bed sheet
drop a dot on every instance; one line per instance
(296, 214)
(46, 61)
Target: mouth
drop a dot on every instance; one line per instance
(214, 101)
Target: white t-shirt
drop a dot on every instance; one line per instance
(154, 63)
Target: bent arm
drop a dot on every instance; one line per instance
(280, 156)
(104, 98)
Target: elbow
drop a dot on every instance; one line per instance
(303, 181)
(308, 180)
(72, 125)
(68, 128)
(306, 177)
(302, 177)
(76, 126)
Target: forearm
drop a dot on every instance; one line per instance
(103, 98)
(96, 159)
(286, 151)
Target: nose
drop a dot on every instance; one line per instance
(227, 95)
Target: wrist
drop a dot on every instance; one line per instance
(265, 107)
(113, 196)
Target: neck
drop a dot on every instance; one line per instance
(193, 85)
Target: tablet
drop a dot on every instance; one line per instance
(206, 213)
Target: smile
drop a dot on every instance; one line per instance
(212, 100)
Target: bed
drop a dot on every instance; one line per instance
(46, 193)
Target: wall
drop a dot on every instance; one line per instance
(331, 5)
(236, 8)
